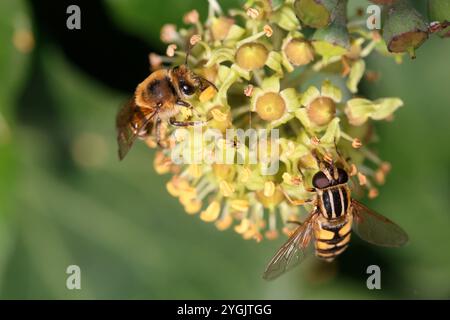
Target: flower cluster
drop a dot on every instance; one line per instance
(271, 72)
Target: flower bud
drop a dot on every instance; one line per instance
(270, 106)
(315, 13)
(251, 56)
(404, 29)
(220, 27)
(299, 52)
(321, 111)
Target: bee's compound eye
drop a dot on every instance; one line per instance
(187, 89)
(320, 180)
(343, 176)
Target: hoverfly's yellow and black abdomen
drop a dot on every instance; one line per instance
(332, 239)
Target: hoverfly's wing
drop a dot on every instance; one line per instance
(126, 134)
(293, 252)
(375, 228)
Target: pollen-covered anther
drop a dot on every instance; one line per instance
(224, 223)
(380, 176)
(168, 33)
(373, 193)
(170, 51)
(211, 213)
(243, 226)
(196, 38)
(386, 167)
(268, 30)
(248, 91)
(356, 143)
(155, 60)
(240, 205)
(192, 206)
(162, 163)
(270, 106)
(362, 179)
(353, 170)
(226, 188)
(252, 13)
(192, 17)
(315, 141)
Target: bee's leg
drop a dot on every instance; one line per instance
(177, 123)
(183, 103)
(296, 202)
(158, 132)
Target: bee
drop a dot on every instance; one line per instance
(156, 99)
(330, 223)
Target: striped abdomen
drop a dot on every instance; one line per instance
(332, 237)
(334, 225)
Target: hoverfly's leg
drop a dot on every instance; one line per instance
(183, 103)
(296, 202)
(177, 123)
(294, 222)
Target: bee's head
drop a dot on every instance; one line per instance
(329, 177)
(186, 81)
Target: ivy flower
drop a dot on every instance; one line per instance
(272, 105)
(319, 105)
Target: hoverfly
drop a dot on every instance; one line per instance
(157, 99)
(330, 223)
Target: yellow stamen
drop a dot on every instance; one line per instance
(226, 188)
(170, 51)
(362, 179)
(239, 205)
(252, 13)
(192, 17)
(196, 38)
(224, 223)
(211, 213)
(356, 143)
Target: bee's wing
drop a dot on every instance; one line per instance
(125, 134)
(292, 252)
(375, 228)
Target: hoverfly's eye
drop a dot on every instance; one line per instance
(343, 176)
(320, 180)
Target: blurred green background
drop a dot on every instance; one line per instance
(65, 198)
